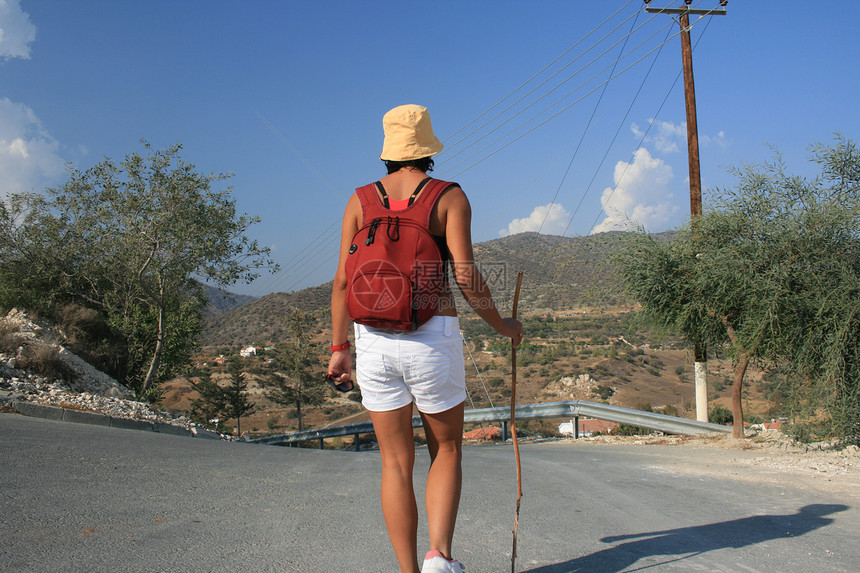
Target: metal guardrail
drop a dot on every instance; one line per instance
(501, 415)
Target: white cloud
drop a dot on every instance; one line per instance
(29, 159)
(641, 195)
(664, 135)
(668, 137)
(16, 31)
(720, 140)
(549, 219)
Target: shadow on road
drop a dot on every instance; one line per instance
(685, 542)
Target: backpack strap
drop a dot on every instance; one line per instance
(384, 194)
(427, 199)
(381, 189)
(421, 202)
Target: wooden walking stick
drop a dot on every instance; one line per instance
(514, 425)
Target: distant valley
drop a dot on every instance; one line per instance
(582, 339)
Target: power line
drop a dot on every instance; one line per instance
(585, 131)
(478, 372)
(615, 136)
(547, 119)
(295, 283)
(311, 252)
(541, 71)
(453, 145)
(633, 156)
(620, 126)
(645, 134)
(548, 93)
(300, 156)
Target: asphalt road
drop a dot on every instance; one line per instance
(84, 498)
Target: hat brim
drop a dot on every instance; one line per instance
(410, 155)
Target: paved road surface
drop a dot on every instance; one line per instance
(91, 499)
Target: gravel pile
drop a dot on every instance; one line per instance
(88, 390)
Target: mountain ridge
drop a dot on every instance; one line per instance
(570, 272)
(219, 301)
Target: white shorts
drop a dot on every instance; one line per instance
(426, 366)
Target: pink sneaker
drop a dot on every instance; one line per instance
(435, 562)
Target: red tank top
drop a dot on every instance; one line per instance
(398, 204)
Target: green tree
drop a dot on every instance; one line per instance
(771, 271)
(236, 402)
(297, 380)
(210, 404)
(131, 240)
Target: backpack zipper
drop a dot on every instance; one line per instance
(371, 232)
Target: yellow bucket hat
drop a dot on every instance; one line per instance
(408, 134)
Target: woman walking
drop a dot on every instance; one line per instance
(395, 369)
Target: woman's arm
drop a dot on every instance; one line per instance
(340, 364)
(458, 233)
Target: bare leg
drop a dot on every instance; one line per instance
(442, 497)
(394, 434)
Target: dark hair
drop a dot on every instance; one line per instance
(424, 164)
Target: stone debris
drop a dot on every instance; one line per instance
(578, 387)
(89, 390)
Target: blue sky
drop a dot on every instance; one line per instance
(288, 95)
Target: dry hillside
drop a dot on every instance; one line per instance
(584, 353)
(581, 341)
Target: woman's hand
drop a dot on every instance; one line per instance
(513, 329)
(340, 366)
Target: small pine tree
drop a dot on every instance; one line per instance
(210, 405)
(296, 382)
(236, 402)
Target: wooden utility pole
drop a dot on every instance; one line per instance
(692, 124)
(700, 356)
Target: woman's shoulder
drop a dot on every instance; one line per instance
(353, 201)
(353, 208)
(454, 197)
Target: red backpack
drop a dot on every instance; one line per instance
(394, 269)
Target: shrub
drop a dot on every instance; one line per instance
(45, 360)
(627, 430)
(537, 428)
(720, 415)
(152, 395)
(10, 340)
(670, 410)
(604, 392)
(81, 324)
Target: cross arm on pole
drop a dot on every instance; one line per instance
(682, 10)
